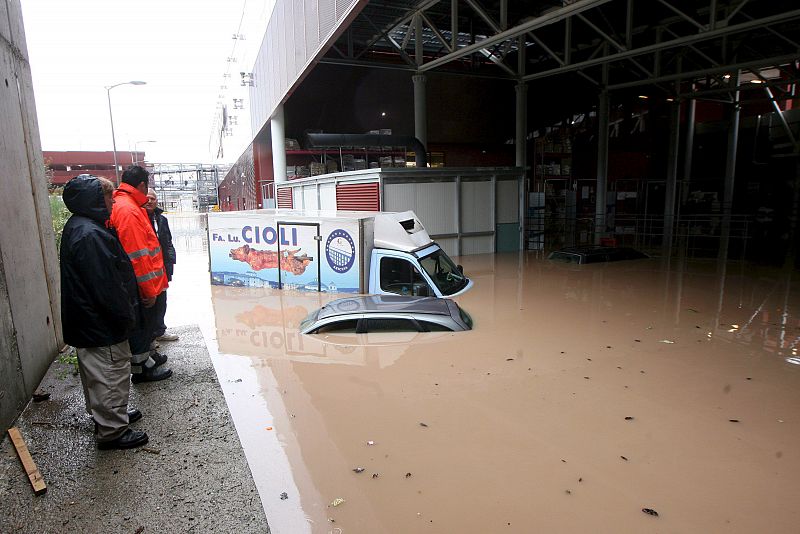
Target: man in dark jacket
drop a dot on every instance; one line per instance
(99, 307)
(161, 227)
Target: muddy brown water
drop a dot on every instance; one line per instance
(583, 395)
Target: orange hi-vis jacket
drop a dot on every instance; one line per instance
(139, 240)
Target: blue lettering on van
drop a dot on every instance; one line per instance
(267, 235)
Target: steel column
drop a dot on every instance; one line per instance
(420, 109)
(672, 175)
(278, 131)
(520, 138)
(733, 140)
(688, 151)
(602, 164)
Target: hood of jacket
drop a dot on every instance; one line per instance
(83, 195)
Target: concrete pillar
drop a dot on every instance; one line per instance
(670, 191)
(602, 166)
(420, 109)
(520, 138)
(278, 130)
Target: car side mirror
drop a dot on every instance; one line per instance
(460, 268)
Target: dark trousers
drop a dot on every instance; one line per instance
(143, 335)
(160, 307)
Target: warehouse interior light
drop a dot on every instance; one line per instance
(383, 113)
(644, 97)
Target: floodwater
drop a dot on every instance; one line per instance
(583, 395)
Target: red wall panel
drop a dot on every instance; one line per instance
(358, 197)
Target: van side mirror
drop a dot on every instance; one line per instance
(460, 268)
(421, 290)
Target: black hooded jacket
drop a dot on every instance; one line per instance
(99, 296)
(161, 226)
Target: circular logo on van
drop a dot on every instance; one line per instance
(340, 250)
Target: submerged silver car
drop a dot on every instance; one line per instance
(387, 313)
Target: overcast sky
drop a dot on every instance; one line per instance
(179, 47)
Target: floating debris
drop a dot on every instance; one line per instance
(580, 479)
(370, 442)
(408, 475)
(423, 424)
(568, 492)
(650, 511)
(629, 418)
(692, 310)
(337, 502)
(667, 341)
(509, 359)
(375, 475)
(624, 458)
(586, 377)
(40, 396)
(734, 420)
(359, 470)
(284, 496)
(638, 340)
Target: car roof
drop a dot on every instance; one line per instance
(384, 304)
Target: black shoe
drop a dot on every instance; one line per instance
(128, 440)
(153, 374)
(133, 416)
(159, 358)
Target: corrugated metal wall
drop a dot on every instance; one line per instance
(297, 32)
(285, 198)
(358, 197)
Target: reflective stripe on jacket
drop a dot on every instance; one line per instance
(139, 240)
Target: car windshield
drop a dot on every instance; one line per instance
(444, 273)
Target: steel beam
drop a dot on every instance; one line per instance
(683, 15)
(735, 10)
(602, 159)
(704, 72)
(436, 31)
(682, 41)
(454, 24)
(544, 20)
(688, 151)
(785, 124)
(419, 42)
(671, 185)
(420, 109)
(520, 138)
(733, 141)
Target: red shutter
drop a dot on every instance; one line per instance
(358, 197)
(285, 197)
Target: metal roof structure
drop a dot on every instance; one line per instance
(610, 44)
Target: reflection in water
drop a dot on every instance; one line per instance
(525, 416)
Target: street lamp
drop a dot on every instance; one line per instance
(136, 150)
(111, 116)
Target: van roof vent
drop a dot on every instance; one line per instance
(408, 225)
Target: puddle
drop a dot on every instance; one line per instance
(563, 411)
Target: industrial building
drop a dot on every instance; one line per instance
(630, 123)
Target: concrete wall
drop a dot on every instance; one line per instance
(30, 331)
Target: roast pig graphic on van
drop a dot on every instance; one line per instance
(290, 260)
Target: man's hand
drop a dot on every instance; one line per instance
(149, 302)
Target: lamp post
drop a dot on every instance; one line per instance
(111, 116)
(136, 151)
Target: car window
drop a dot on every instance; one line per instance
(401, 277)
(347, 326)
(390, 325)
(434, 327)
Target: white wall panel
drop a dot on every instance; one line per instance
(310, 197)
(297, 198)
(507, 201)
(327, 196)
(476, 209)
(298, 30)
(399, 197)
(477, 245)
(433, 202)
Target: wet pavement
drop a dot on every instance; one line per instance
(584, 395)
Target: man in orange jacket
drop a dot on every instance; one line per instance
(139, 240)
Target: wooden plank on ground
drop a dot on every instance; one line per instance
(36, 478)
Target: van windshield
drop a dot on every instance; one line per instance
(444, 273)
